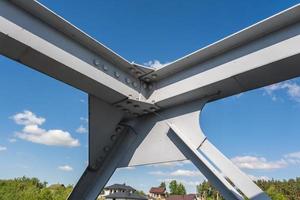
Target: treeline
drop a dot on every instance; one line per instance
(276, 189)
(32, 189)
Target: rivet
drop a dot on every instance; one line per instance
(106, 149)
(127, 80)
(105, 68)
(118, 129)
(113, 137)
(134, 84)
(130, 95)
(117, 74)
(152, 109)
(153, 101)
(132, 70)
(147, 79)
(154, 76)
(138, 73)
(96, 62)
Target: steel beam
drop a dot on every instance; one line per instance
(265, 53)
(132, 108)
(41, 41)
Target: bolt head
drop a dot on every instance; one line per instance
(154, 76)
(127, 80)
(117, 74)
(96, 62)
(105, 68)
(106, 149)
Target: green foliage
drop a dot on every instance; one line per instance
(162, 185)
(176, 188)
(32, 189)
(276, 189)
(140, 192)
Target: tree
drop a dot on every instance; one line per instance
(176, 189)
(162, 185)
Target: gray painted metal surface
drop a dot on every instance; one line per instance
(139, 115)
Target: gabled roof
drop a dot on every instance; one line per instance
(125, 195)
(158, 190)
(182, 197)
(120, 187)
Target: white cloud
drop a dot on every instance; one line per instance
(84, 119)
(291, 88)
(293, 158)
(2, 148)
(81, 129)
(12, 140)
(65, 168)
(184, 182)
(28, 118)
(255, 178)
(157, 173)
(33, 133)
(155, 64)
(182, 172)
(252, 162)
(177, 173)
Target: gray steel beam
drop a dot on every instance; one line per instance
(247, 60)
(119, 96)
(46, 47)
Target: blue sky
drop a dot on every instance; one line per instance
(258, 130)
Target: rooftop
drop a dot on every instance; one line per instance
(125, 195)
(182, 197)
(120, 186)
(157, 190)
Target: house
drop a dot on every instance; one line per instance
(157, 193)
(182, 197)
(118, 188)
(121, 192)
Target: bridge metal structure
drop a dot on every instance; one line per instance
(140, 115)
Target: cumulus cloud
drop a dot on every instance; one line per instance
(84, 119)
(155, 64)
(2, 148)
(157, 173)
(293, 158)
(28, 118)
(255, 178)
(292, 89)
(183, 181)
(65, 168)
(81, 129)
(253, 162)
(177, 173)
(182, 172)
(33, 133)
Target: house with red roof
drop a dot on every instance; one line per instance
(158, 193)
